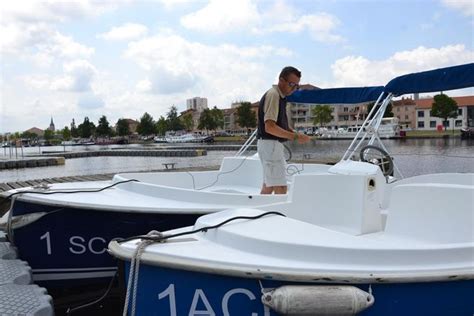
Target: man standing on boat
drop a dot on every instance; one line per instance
(274, 129)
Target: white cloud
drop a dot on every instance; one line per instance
(234, 16)
(222, 73)
(170, 4)
(128, 31)
(222, 16)
(466, 7)
(360, 71)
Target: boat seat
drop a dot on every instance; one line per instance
(425, 212)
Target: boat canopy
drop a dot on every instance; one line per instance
(442, 79)
(337, 95)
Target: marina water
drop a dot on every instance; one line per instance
(412, 156)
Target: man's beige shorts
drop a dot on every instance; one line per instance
(273, 162)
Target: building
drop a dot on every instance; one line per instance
(132, 125)
(37, 131)
(405, 111)
(197, 104)
(425, 121)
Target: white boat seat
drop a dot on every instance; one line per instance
(432, 212)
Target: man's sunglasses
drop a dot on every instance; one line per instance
(292, 85)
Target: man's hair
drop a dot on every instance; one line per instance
(285, 72)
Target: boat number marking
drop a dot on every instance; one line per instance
(79, 245)
(200, 297)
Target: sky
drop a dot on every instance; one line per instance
(72, 59)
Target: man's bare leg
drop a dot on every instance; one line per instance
(281, 189)
(266, 190)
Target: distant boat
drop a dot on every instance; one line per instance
(189, 138)
(389, 128)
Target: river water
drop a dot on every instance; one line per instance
(412, 156)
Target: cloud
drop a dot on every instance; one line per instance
(466, 7)
(360, 71)
(78, 77)
(222, 16)
(222, 72)
(128, 31)
(235, 16)
(90, 101)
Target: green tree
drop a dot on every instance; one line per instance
(388, 110)
(66, 133)
(48, 135)
(245, 116)
(86, 129)
(161, 126)
(187, 121)
(28, 135)
(322, 114)
(174, 123)
(74, 131)
(146, 126)
(211, 119)
(122, 127)
(103, 128)
(444, 107)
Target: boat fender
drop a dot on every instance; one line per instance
(317, 300)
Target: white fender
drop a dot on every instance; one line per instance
(317, 300)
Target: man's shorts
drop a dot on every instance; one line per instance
(273, 162)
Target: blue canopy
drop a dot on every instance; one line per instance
(336, 95)
(443, 79)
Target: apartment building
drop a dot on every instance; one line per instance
(425, 121)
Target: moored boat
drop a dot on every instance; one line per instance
(390, 247)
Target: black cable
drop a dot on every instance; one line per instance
(218, 175)
(203, 229)
(66, 192)
(109, 287)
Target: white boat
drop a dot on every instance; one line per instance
(347, 240)
(389, 128)
(189, 138)
(91, 214)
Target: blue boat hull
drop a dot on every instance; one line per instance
(68, 246)
(164, 292)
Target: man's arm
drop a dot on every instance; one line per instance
(272, 128)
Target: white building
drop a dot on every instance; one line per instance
(197, 104)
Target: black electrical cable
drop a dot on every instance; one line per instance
(74, 309)
(203, 229)
(66, 192)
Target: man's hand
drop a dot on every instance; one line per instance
(303, 138)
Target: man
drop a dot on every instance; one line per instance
(273, 129)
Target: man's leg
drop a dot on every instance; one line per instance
(280, 189)
(266, 190)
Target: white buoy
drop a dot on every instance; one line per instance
(318, 300)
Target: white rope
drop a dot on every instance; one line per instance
(134, 272)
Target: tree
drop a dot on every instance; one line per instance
(86, 129)
(444, 107)
(174, 123)
(146, 126)
(187, 121)
(66, 133)
(245, 116)
(388, 110)
(161, 126)
(103, 128)
(211, 119)
(48, 135)
(322, 114)
(122, 127)
(28, 135)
